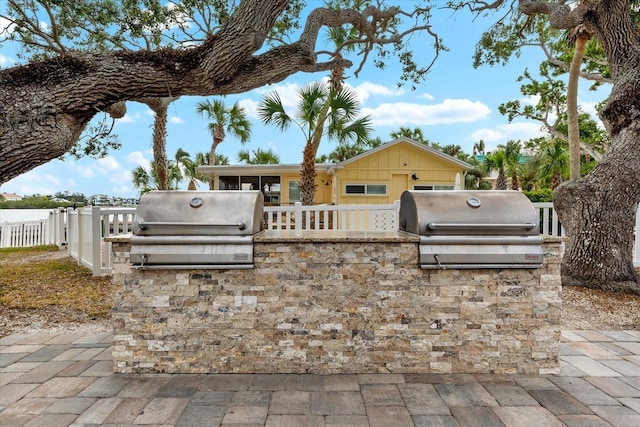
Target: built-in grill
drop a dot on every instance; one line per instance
(196, 229)
(473, 229)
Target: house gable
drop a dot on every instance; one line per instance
(399, 165)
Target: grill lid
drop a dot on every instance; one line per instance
(473, 229)
(465, 213)
(200, 213)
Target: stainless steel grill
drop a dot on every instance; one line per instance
(473, 229)
(196, 229)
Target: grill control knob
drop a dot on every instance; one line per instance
(474, 202)
(196, 202)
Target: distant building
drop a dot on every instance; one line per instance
(101, 200)
(11, 197)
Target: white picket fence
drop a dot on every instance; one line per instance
(332, 217)
(83, 230)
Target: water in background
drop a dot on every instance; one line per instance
(21, 215)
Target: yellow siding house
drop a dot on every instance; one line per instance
(377, 176)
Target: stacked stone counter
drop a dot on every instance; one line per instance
(329, 302)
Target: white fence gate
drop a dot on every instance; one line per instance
(83, 230)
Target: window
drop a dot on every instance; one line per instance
(270, 189)
(366, 189)
(294, 191)
(229, 183)
(433, 187)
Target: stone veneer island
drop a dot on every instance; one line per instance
(328, 302)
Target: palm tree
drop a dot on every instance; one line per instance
(189, 167)
(141, 179)
(453, 150)
(496, 161)
(554, 161)
(146, 181)
(530, 173)
(223, 119)
(259, 157)
(416, 134)
(512, 162)
(323, 109)
(478, 148)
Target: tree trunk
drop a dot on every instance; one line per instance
(218, 137)
(598, 213)
(212, 161)
(573, 128)
(501, 181)
(598, 210)
(46, 105)
(308, 175)
(160, 106)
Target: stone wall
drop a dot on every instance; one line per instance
(336, 306)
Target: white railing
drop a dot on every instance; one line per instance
(332, 217)
(549, 221)
(86, 229)
(83, 230)
(22, 234)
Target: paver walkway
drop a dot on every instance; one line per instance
(66, 379)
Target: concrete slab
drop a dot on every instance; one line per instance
(337, 403)
(527, 416)
(161, 410)
(290, 403)
(423, 399)
(381, 395)
(598, 385)
(465, 395)
(245, 415)
(385, 416)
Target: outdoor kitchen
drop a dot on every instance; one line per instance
(466, 285)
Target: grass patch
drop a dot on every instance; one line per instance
(33, 280)
(31, 249)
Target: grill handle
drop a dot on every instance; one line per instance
(434, 226)
(144, 225)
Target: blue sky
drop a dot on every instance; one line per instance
(457, 104)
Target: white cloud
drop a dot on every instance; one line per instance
(85, 171)
(108, 164)
(71, 183)
(530, 100)
(53, 180)
(368, 89)
(250, 106)
(176, 120)
(6, 61)
(120, 176)
(137, 158)
(519, 131)
(6, 27)
(287, 92)
(427, 96)
(129, 118)
(448, 112)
